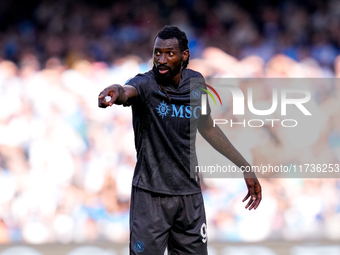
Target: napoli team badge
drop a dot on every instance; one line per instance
(139, 246)
(163, 109)
(196, 94)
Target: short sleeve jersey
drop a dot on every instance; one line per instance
(165, 133)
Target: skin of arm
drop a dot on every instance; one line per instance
(119, 95)
(217, 139)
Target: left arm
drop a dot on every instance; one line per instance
(217, 139)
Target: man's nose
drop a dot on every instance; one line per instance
(162, 59)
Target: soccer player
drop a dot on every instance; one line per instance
(167, 207)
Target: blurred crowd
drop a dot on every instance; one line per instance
(66, 165)
(108, 30)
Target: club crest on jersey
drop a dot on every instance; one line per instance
(196, 94)
(163, 109)
(139, 246)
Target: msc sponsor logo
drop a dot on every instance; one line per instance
(179, 111)
(163, 109)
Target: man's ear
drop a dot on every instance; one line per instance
(185, 55)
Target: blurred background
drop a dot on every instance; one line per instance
(66, 165)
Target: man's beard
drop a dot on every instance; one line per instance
(167, 77)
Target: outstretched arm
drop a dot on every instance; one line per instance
(217, 139)
(116, 94)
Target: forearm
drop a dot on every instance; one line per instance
(120, 93)
(217, 139)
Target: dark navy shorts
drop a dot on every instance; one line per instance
(159, 221)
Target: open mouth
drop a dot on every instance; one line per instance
(163, 71)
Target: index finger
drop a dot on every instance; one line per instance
(101, 95)
(246, 197)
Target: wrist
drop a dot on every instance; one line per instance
(120, 92)
(249, 174)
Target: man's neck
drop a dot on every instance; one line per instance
(176, 79)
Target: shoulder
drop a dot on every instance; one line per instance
(141, 78)
(144, 83)
(189, 73)
(194, 78)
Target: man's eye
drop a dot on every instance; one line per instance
(157, 53)
(171, 53)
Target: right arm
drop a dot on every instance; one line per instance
(217, 139)
(119, 95)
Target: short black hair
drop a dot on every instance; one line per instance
(169, 32)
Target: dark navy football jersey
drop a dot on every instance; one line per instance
(165, 133)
